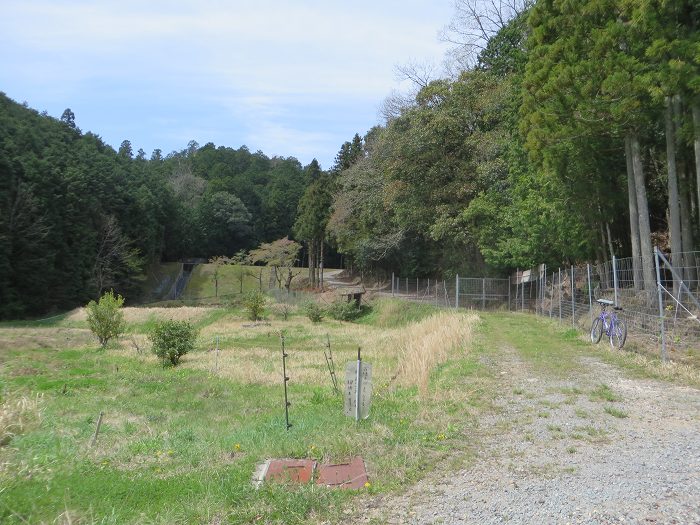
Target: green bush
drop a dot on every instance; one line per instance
(172, 339)
(106, 318)
(254, 304)
(341, 310)
(314, 312)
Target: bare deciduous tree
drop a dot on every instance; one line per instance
(475, 23)
(25, 221)
(115, 254)
(188, 187)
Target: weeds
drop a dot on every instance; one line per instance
(615, 412)
(17, 415)
(604, 393)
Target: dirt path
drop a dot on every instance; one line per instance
(586, 445)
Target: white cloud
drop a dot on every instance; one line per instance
(263, 63)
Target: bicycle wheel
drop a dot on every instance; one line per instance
(596, 331)
(618, 335)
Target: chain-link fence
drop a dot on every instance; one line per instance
(661, 313)
(440, 292)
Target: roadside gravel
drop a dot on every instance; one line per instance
(594, 448)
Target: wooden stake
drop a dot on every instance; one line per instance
(97, 429)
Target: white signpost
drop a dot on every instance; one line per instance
(358, 388)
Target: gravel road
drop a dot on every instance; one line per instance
(597, 448)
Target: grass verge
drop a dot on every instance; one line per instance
(179, 445)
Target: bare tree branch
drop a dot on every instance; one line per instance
(476, 22)
(395, 104)
(420, 73)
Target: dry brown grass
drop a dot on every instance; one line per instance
(49, 337)
(140, 315)
(17, 415)
(669, 370)
(253, 354)
(428, 343)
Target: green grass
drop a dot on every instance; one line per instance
(540, 343)
(179, 445)
(202, 286)
(615, 412)
(604, 393)
(393, 313)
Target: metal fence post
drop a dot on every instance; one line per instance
(543, 288)
(661, 304)
(406, 285)
(509, 277)
(392, 284)
(559, 287)
(416, 288)
(573, 299)
(551, 298)
(590, 292)
(483, 294)
(457, 291)
(522, 294)
(614, 264)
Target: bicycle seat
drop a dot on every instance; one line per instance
(617, 307)
(605, 302)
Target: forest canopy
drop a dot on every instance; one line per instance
(565, 132)
(78, 217)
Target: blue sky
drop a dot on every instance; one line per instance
(290, 78)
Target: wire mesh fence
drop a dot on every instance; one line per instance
(661, 313)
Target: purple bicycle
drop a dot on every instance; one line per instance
(610, 324)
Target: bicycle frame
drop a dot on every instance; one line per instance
(609, 320)
(609, 324)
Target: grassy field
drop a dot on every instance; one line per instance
(179, 445)
(233, 280)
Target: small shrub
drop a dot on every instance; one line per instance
(283, 310)
(254, 304)
(341, 310)
(172, 339)
(314, 312)
(106, 318)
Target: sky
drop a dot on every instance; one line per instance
(288, 78)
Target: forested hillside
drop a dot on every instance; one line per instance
(77, 217)
(569, 131)
(573, 135)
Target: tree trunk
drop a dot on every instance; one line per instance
(674, 225)
(609, 237)
(643, 209)
(684, 193)
(696, 146)
(634, 218)
(696, 143)
(314, 270)
(311, 258)
(321, 264)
